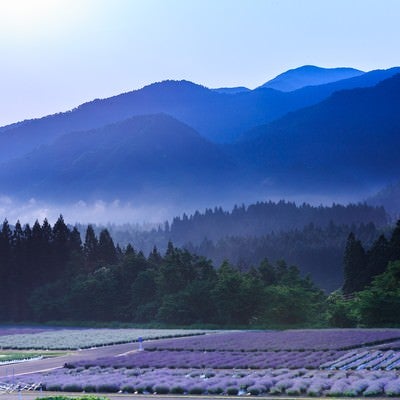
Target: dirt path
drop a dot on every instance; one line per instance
(28, 367)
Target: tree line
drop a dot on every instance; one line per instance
(312, 238)
(370, 294)
(48, 273)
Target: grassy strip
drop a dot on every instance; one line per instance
(6, 356)
(74, 398)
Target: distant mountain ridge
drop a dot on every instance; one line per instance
(309, 75)
(152, 157)
(219, 117)
(346, 143)
(349, 140)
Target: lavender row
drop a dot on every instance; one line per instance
(373, 360)
(25, 330)
(73, 338)
(321, 339)
(185, 381)
(216, 359)
(389, 346)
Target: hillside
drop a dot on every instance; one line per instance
(153, 158)
(348, 142)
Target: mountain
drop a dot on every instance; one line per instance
(219, 117)
(309, 75)
(349, 142)
(154, 159)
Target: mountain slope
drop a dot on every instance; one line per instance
(155, 159)
(309, 75)
(349, 141)
(220, 117)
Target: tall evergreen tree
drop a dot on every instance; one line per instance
(91, 249)
(107, 253)
(5, 265)
(378, 257)
(61, 236)
(355, 274)
(394, 243)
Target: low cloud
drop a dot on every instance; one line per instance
(99, 212)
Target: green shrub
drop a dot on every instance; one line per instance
(178, 389)
(196, 390)
(161, 389)
(128, 389)
(89, 388)
(107, 388)
(232, 391)
(54, 388)
(72, 387)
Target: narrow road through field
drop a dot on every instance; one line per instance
(73, 356)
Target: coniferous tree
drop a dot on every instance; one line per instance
(107, 253)
(5, 265)
(60, 245)
(377, 258)
(355, 277)
(91, 249)
(17, 272)
(394, 243)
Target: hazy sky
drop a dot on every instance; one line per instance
(56, 54)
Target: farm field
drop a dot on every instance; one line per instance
(305, 339)
(72, 339)
(313, 363)
(7, 330)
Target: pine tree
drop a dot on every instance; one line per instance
(60, 244)
(5, 265)
(378, 257)
(91, 249)
(106, 250)
(355, 274)
(394, 243)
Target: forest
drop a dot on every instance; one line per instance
(48, 274)
(310, 237)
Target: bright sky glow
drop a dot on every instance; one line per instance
(56, 54)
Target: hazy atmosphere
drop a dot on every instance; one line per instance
(199, 198)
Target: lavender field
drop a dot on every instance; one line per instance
(221, 381)
(217, 359)
(302, 362)
(70, 339)
(312, 339)
(6, 330)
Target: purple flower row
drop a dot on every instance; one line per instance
(185, 381)
(6, 330)
(370, 359)
(320, 339)
(215, 359)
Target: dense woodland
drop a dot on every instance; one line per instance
(371, 288)
(47, 273)
(303, 235)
